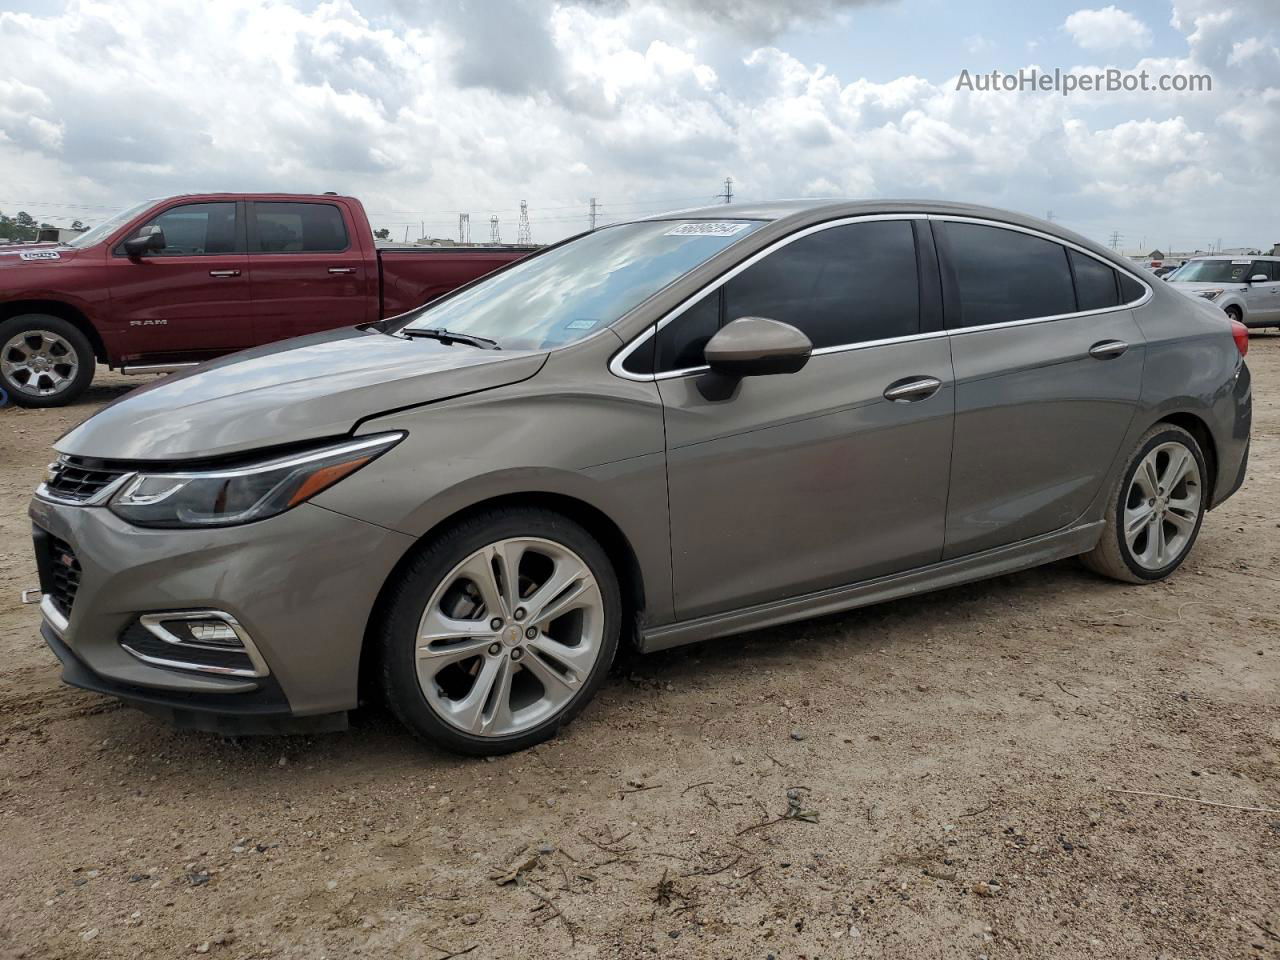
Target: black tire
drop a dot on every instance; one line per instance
(1234, 313)
(1112, 556)
(406, 601)
(76, 385)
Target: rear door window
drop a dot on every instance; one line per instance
(1004, 275)
(297, 228)
(1096, 285)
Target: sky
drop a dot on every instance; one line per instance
(425, 110)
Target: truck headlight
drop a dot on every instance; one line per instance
(1209, 294)
(241, 494)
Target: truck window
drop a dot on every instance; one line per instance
(297, 228)
(195, 229)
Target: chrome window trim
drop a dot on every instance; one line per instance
(154, 624)
(616, 368)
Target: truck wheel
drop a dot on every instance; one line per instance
(499, 631)
(45, 361)
(1156, 509)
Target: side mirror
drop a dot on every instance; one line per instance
(757, 346)
(1259, 278)
(145, 243)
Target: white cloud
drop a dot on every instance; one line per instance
(416, 110)
(1107, 29)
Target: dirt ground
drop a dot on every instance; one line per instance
(929, 778)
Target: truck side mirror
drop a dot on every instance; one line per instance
(145, 243)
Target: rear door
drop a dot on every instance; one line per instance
(190, 299)
(1264, 295)
(793, 483)
(1048, 367)
(307, 272)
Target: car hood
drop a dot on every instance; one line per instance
(22, 254)
(296, 390)
(1191, 288)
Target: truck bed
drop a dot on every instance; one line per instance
(412, 275)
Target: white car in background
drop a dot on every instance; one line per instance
(1245, 288)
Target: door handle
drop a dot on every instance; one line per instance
(1107, 349)
(912, 389)
(224, 273)
(342, 269)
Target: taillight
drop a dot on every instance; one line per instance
(1240, 333)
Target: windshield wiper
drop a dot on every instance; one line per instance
(448, 336)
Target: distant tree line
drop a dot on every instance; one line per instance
(24, 226)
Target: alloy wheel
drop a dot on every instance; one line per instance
(1162, 506)
(509, 636)
(39, 363)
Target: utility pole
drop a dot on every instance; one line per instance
(1049, 216)
(464, 228)
(493, 230)
(728, 190)
(524, 235)
(593, 212)
(1116, 237)
(406, 233)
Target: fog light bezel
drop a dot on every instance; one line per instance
(154, 623)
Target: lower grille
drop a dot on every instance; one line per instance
(59, 570)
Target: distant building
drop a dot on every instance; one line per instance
(58, 234)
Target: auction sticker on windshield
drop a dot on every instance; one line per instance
(703, 228)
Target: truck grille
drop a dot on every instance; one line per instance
(71, 479)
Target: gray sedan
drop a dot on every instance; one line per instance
(655, 433)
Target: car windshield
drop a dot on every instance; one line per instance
(1212, 271)
(108, 226)
(576, 289)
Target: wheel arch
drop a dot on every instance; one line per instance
(1199, 429)
(615, 542)
(63, 311)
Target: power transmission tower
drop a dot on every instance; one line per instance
(593, 212)
(464, 228)
(524, 235)
(1116, 237)
(493, 230)
(1049, 216)
(728, 190)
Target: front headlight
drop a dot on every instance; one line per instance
(1209, 294)
(255, 491)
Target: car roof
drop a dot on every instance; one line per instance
(1236, 256)
(837, 206)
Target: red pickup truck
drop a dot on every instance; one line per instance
(169, 283)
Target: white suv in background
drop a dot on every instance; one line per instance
(1246, 288)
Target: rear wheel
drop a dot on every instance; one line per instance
(45, 361)
(500, 631)
(1156, 510)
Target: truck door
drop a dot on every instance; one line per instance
(191, 298)
(307, 272)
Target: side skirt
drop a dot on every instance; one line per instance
(950, 573)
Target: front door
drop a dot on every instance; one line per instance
(191, 298)
(797, 482)
(1264, 295)
(1048, 368)
(308, 272)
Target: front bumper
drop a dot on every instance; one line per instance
(303, 585)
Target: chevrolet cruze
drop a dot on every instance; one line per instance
(654, 433)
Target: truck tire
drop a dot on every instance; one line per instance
(45, 361)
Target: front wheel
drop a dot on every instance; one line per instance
(499, 631)
(45, 361)
(1156, 510)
